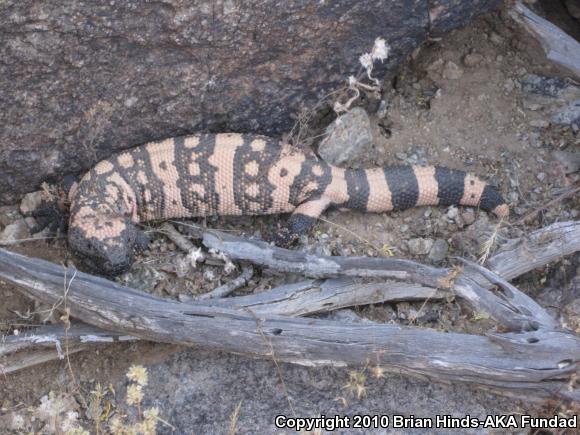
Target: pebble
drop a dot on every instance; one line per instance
(468, 216)
(509, 85)
(541, 176)
(451, 71)
(348, 137)
(14, 232)
(420, 246)
(403, 310)
(539, 123)
(452, 212)
(438, 251)
(31, 202)
(8, 215)
(528, 105)
(473, 59)
(496, 38)
(568, 114)
(436, 66)
(513, 197)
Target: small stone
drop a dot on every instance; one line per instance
(8, 215)
(529, 105)
(513, 197)
(209, 275)
(496, 38)
(468, 216)
(509, 85)
(436, 66)
(452, 212)
(438, 251)
(451, 71)
(14, 232)
(382, 110)
(130, 102)
(404, 228)
(403, 309)
(539, 123)
(349, 136)
(568, 114)
(31, 202)
(420, 246)
(401, 156)
(472, 60)
(541, 176)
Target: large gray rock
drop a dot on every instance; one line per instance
(79, 80)
(198, 391)
(348, 137)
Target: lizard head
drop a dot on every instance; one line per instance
(105, 245)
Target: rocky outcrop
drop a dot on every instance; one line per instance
(79, 80)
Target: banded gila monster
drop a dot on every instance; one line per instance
(241, 174)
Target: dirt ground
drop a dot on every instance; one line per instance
(460, 101)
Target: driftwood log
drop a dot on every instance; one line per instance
(535, 360)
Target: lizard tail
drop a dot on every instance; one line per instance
(402, 187)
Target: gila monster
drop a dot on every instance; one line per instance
(241, 174)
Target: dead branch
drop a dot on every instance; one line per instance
(523, 313)
(314, 296)
(318, 296)
(319, 266)
(536, 249)
(48, 343)
(230, 287)
(307, 297)
(537, 363)
(558, 46)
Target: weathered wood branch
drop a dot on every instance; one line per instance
(558, 46)
(513, 309)
(313, 296)
(231, 286)
(537, 363)
(318, 266)
(307, 297)
(51, 342)
(318, 296)
(536, 249)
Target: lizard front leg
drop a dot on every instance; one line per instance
(301, 220)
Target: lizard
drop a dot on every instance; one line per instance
(241, 174)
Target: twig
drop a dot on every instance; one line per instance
(549, 204)
(230, 287)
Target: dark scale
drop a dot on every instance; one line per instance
(153, 183)
(357, 185)
(200, 155)
(403, 185)
(490, 199)
(450, 183)
(306, 177)
(265, 159)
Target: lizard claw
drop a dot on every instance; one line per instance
(284, 238)
(49, 215)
